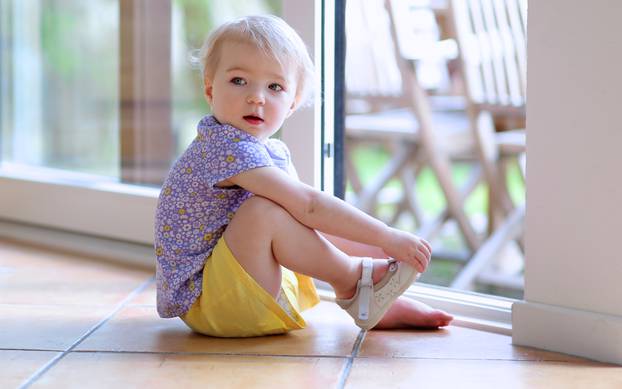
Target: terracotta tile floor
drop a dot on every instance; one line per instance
(70, 321)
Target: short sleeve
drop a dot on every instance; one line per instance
(279, 153)
(232, 156)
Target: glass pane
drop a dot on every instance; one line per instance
(60, 67)
(59, 84)
(192, 21)
(410, 150)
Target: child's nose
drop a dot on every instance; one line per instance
(256, 97)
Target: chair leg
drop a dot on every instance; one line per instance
(351, 171)
(510, 229)
(499, 200)
(411, 198)
(368, 198)
(400, 208)
(455, 204)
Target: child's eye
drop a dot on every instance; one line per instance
(275, 87)
(238, 81)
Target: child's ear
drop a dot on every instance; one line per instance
(208, 91)
(292, 108)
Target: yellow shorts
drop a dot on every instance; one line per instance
(232, 304)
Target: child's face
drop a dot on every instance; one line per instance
(250, 91)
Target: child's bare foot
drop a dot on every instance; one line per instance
(409, 313)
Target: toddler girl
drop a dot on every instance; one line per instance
(238, 236)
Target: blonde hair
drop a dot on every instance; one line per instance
(273, 37)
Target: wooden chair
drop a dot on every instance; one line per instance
(402, 115)
(491, 37)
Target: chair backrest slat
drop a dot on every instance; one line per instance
(469, 51)
(517, 14)
(483, 41)
(371, 70)
(522, 4)
(416, 28)
(517, 95)
(496, 48)
(491, 37)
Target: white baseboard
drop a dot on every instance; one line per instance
(571, 331)
(108, 249)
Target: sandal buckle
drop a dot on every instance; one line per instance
(365, 288)
(364, 300)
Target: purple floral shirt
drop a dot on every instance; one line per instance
(192, 213)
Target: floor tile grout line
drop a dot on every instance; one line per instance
(43, 369)
(31, 349)
(345, 373)
(208, 354)
(245, 354)
(358, 343)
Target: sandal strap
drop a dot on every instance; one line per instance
(365, 288)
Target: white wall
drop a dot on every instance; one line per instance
(301, 131)
(574, 180)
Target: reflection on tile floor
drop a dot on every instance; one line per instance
(70, 321)
(93, 370)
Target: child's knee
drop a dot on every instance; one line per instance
(260, 208)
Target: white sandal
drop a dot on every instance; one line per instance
(371, 302)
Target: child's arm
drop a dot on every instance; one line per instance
(333, 216)
(347, 246)
(356, 249)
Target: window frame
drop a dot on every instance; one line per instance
(145, 109)
(56, 208)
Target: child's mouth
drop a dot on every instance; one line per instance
(252, 119)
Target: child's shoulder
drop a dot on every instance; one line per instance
(275, 142)
(278, 148)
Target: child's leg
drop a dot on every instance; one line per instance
(262, 236)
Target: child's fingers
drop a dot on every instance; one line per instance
(424, 249)
(419, 261)
(426, 244)
(418, 265)
(415, 260)
(423, 260)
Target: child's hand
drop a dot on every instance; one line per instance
(409, 248)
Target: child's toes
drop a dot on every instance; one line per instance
(440, 319)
